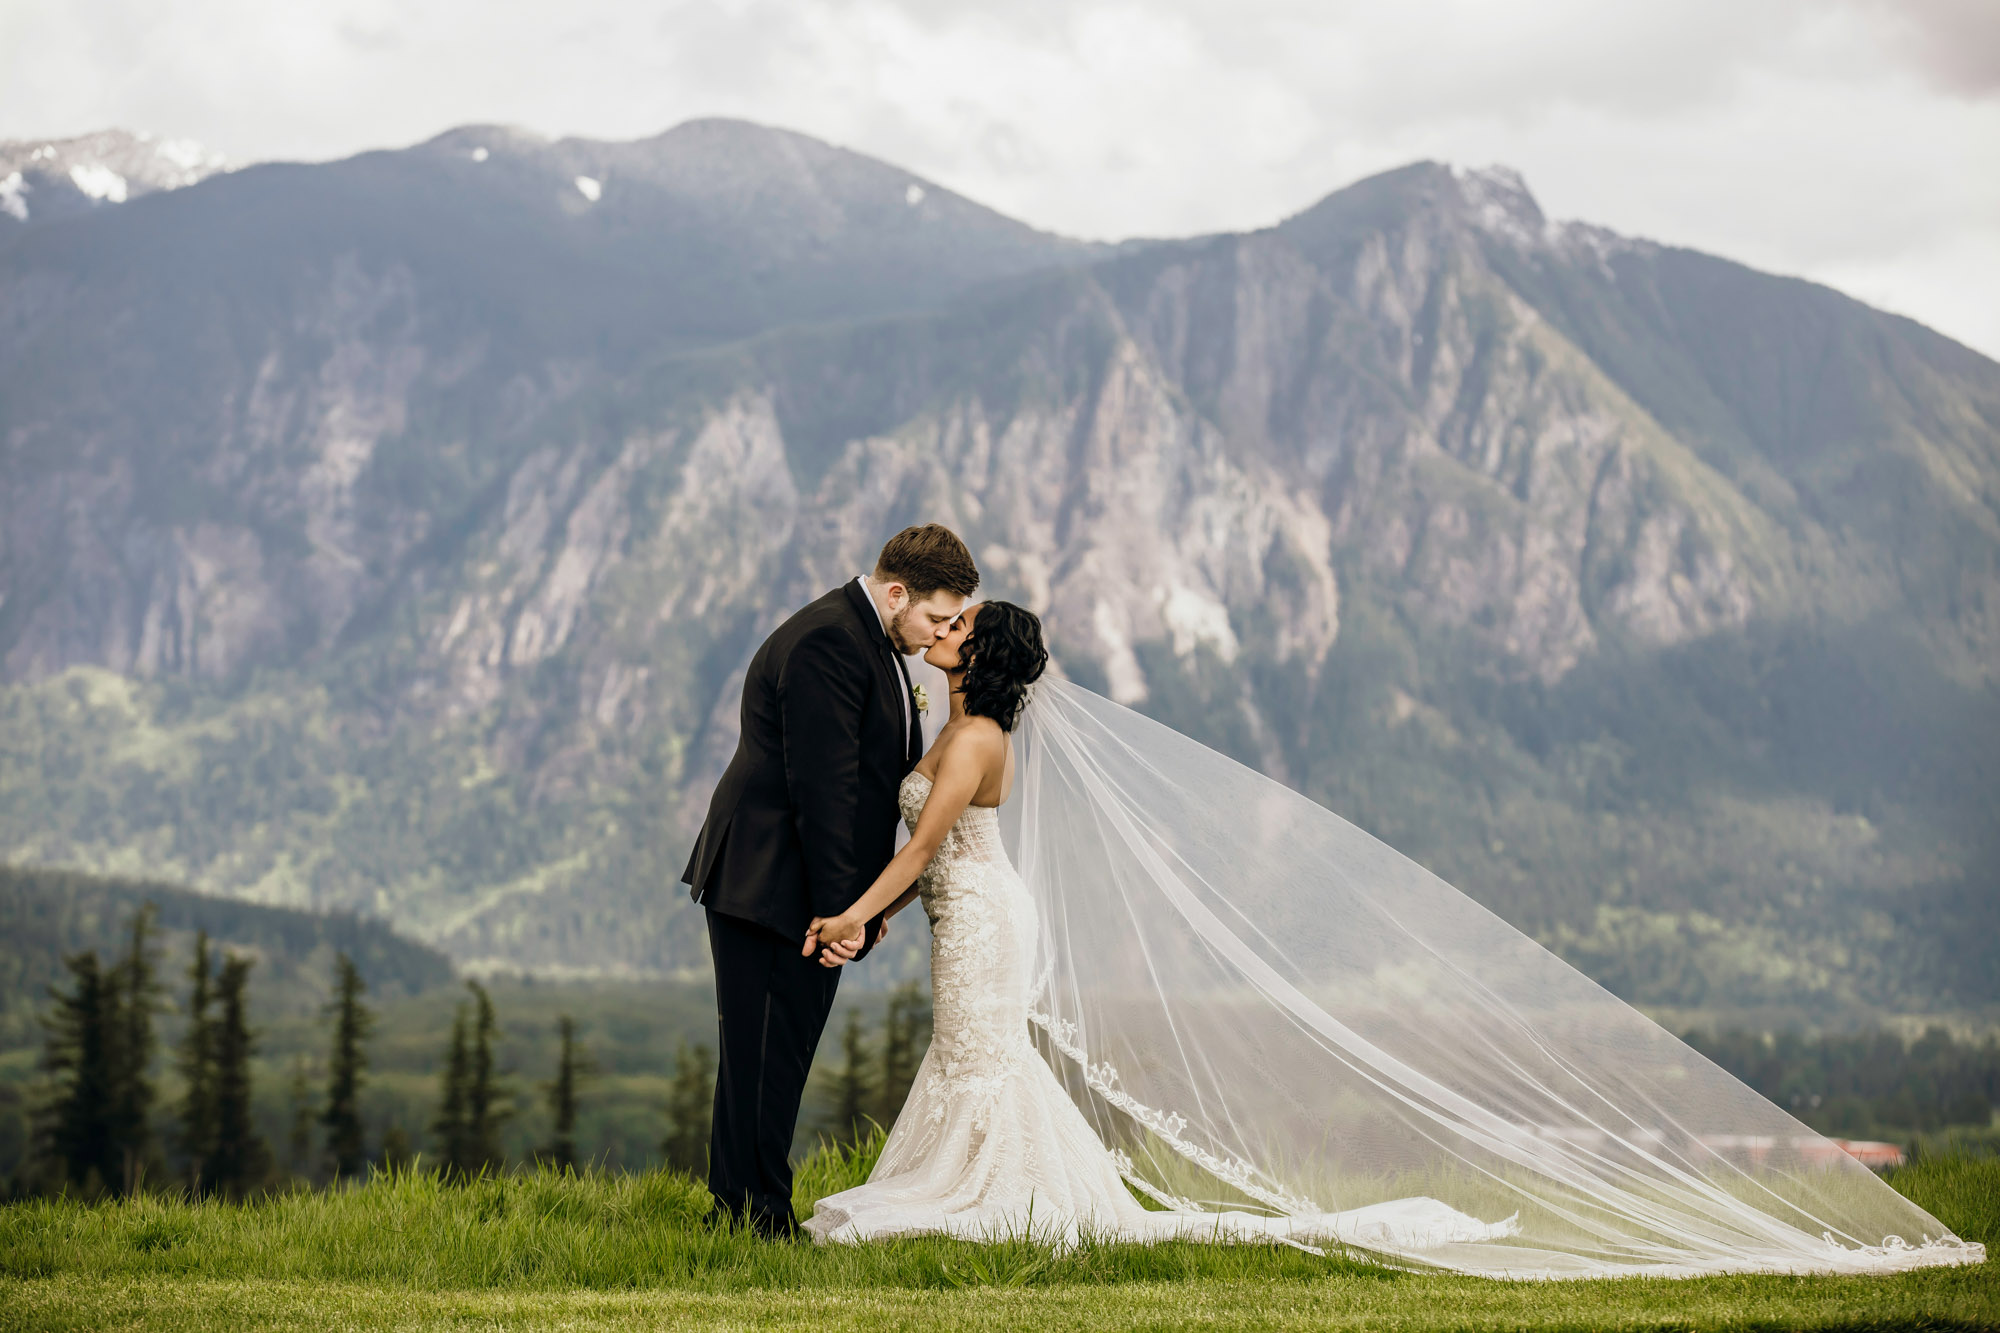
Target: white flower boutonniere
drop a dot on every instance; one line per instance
(921, 698)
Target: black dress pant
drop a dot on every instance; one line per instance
(772, 1005)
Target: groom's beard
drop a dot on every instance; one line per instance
(899, 633)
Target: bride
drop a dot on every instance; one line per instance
(1191, 1003)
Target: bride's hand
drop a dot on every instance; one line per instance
(837, 937)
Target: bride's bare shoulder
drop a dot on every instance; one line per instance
(976, 740)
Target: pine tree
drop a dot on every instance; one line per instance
(451, 1125)
(242, 1161)
(396, 1152)
(352, 1022)
(76, 1128)
(137, 998)
(298, 1143)
(851, 1098)
(690, 1108)
(902, 1029)
(572, 1066)
(454, 1150)
(484, 1113)
(197, 1066)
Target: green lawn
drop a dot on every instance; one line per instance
(633, 1251)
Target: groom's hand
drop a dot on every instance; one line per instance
(837, 939)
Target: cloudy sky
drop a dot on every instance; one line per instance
(1853, 141)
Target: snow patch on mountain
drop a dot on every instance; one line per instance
(1501, 204)
(95, 170)
(99, 182)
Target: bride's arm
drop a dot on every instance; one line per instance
(961, 768)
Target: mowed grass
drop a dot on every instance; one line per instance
(614, 1251)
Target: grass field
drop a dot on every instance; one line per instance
(616, 1251)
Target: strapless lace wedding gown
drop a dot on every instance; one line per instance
(989, 1145)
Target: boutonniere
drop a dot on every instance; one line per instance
(921, 698)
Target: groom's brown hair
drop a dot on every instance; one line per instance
(928, 559)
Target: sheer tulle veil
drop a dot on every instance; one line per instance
(1260, 1007)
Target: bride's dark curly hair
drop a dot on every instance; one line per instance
(1003, 656)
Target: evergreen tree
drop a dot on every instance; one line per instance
(852, 1091)
(346, 1153)
(396, 1151)
(298, 1143)
(454, 1144)
(572, 1066)
(242, 1161)
(197, 1066)
(137, 998)
(484, 1113)
(902, 1031)
(690, 1108)
(76, 1126)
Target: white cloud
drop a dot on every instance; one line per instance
(1849, 140)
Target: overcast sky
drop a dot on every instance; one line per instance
(1853, 141)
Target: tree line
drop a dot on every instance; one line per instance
(93, 1124)
(874, 1076)
(103, 1123)
(1866, 1085)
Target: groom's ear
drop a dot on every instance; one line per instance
(898, 595)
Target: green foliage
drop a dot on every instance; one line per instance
(1715, 826)
(138, 998)
(572, 1066)
(96, 1118)
(690, 1109)
(196, 1140)
(346, 1152)
(452, 1125)
(472, 1108)
(868, 1086)
(241, 1161)
(905, 1034)
(78, 1130)
(851, 1097)
(298, 1142)
(484, 1108)
(1866, 1085)
(47, 914)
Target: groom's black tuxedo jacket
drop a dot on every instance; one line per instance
(805, 816)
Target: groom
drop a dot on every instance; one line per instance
(800, 825)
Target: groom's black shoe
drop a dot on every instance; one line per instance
(775, 1226)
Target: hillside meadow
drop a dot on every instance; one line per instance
(615, 1251)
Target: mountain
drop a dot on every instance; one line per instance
(390, 535)
(47, 180)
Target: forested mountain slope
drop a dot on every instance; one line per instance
(391, 534)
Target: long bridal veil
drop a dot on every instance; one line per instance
(1260, 1007)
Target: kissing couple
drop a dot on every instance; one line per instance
(1175, 999)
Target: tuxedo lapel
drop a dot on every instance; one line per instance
(893, 675)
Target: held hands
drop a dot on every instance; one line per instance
(838, 938)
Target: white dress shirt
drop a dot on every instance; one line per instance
(908, 703)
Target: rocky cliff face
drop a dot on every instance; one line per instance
(392, 535)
